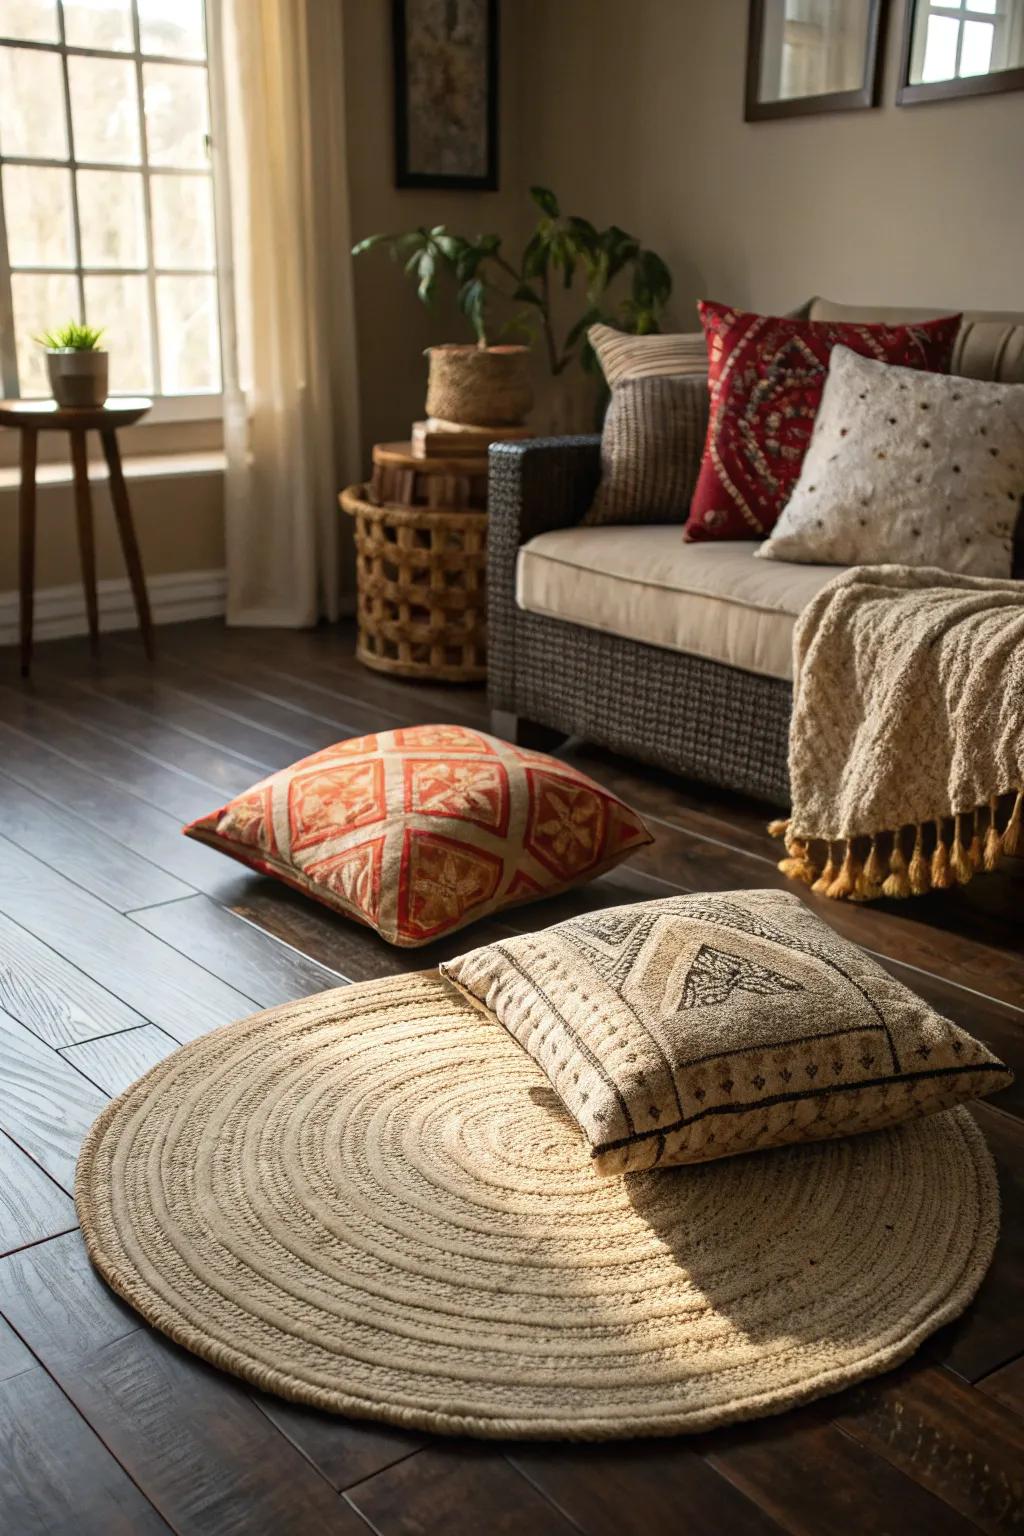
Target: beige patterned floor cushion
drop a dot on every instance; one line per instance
(702, 1026)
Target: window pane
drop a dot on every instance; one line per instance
(98, 24)
(976, 52)
(37, 208)
(189, 345)
(34, 20)
(174, 27)
(940, 48)
(104, 110)
(177, 119)
(32, 104)
(112, 216)
(182, 221)
(40, 304)
(983, 5)
(120, 305)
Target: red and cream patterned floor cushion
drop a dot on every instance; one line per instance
(417, 832)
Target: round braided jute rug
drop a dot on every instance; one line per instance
(371, 1202)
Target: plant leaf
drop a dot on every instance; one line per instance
(546, 201)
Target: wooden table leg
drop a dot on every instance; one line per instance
(129, 543)
(86, 545)
(27, 541)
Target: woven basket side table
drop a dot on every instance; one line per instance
(402, 478)
(421, 574)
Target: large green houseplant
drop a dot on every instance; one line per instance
(601, 275)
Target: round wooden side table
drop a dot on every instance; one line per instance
(30, 417)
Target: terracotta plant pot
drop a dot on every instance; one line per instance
(480, 386)
(78, 378)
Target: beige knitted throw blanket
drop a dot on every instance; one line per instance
(906, 748)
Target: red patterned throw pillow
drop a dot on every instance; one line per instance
(419, 831)
(766, 375)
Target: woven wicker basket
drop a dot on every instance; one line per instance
(420, 574)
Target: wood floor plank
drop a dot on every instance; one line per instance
(814, 1480)
(624, 1490)
(164, 986)
(224, 772)
(237, 684)
(51, 997)
(1006, 1385)
(176, 792)
(129, 813)
(15, 1357)
(949, 1439)
(83, 854)
(114, 1062)
(241, 954)
(343, 1451)
(462, 1490)
(991, 1332)
(202, 1452)
(46, 1107)
(154, 689)
(32, 1207)
(56, 1476)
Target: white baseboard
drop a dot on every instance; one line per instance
(60, 611)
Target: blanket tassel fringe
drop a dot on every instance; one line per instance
(910, 861)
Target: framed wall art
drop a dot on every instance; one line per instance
(446, 93)
(806, 56)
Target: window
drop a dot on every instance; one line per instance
(106, 193)
(960, 38)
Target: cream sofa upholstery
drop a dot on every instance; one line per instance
(643, 583)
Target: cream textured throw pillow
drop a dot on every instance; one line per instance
(647, 357)
(698, 1027)
(907, 468)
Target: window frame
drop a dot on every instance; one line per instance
(909, 93)
(198, 406)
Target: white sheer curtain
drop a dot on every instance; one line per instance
(291, 403)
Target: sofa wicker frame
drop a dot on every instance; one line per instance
(695, 717)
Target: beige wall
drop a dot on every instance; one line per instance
(636, 110)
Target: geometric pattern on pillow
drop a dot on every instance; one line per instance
(907, 468)
(651, 445)
(699, 1027)
(766, 376)
(416, 832)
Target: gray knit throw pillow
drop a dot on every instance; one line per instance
(651, 450)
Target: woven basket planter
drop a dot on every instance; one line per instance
(421, 600)
(479, 386)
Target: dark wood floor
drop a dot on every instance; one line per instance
(119, 940)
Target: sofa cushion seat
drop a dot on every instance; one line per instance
(643, 583)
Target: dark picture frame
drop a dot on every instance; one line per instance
(411, 61)
(868, 94)
(909, 94)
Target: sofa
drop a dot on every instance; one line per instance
(677, 654)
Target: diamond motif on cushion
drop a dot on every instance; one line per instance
(766, 376)
(466, 791)
(568, 823)
(249, 819)
(715, 974)
(462, 824)
(441, 738)
(354, 876)
(333, 799)
(442, 881)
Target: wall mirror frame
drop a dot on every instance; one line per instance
(765, 48)
(910, 92)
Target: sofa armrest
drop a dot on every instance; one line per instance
(533, 487)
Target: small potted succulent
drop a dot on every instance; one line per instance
(76, 363)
